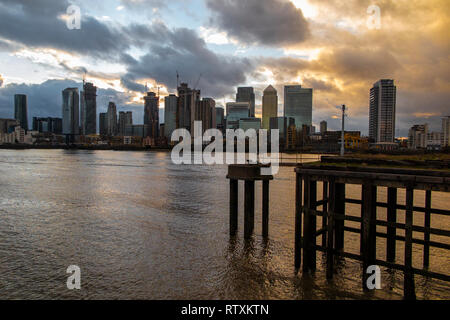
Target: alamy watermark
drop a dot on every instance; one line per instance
(213, 152)
(374, 18)
(73, 19)
(74, 280)
(374, 280)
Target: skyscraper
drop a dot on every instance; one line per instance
(151, 114)
(220, 118)
(298, 105)
(235, 112)
(187, 100)
(103, 123)
(205, 111)
(382, 111)
(170, 115)
(246, 94)
(21, 110)
(323, 127)
(111, 119)
(88, 109)
(71, 111)
(125, 118)
(269, 106)
(445, 140)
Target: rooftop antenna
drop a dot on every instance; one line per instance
(146, 87)
(178, 79)
(84, 78)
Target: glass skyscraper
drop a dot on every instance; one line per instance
(21, 110)
(382, 111)
(71, 111)
(298, 105)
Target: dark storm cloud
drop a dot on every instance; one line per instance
(183, 51)
(266, 22)
(37, 24)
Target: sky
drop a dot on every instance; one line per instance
(338, 48)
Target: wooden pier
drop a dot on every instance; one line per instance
(332, 210)
(249, 173)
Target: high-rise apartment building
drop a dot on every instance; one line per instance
(170, 115)
(220, 118)
(111, 120)
(187, 100)
(125, 118)
(298, 105)
(205, 111)
(269, 106)
(21, 110)
(246, 94)
(103, 124)
(88, 117)
(323, 127)
(151, 113)
(71, 111)
(382, 111)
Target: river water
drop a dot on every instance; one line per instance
(140, 227)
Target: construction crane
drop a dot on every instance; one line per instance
(198, 80)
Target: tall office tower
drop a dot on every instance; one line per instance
(103, 123)
(298, 105)
(445, 132)
(21, 110)
(235, 112)
(246, 94)
(111, 119)
(125, 118)
(187, 100)
(220, 118)
(269, 106)
(88, 109)
(382, 111)
(151, 113)
(170, 115)
(205, 111)
(323, 127)
(71, 111)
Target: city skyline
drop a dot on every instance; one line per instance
(320, 54)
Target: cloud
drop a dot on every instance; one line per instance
(182, 50)
(38, 24)
(265, 22)
(1, 80)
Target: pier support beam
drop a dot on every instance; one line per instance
(330, 232)
(265, 208)
(426, 235)
(298, 221)
(339, 208)
(249, 208)
(325, 199)
(408, 282)
(391, 218)
(233, 206)
(368, 229)
(309, 226)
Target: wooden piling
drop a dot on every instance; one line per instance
(426, 235)
(298, 221)
(391, 218)
(312, 225)
(339, 199)
(249, 208)
(233, 206)
(330, 232)
(306, 226)
(368, 229)
(265, 208)
(408, 283)
(325, 200)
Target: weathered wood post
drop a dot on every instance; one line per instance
(391, 218)
(233, 206)
(298, 221)
(249, 208)
(330, 232)
(309, 225)
(325, 200)
(408, 282)
(427, 224)
(339, 208)
(265, 208)
(368, 229)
